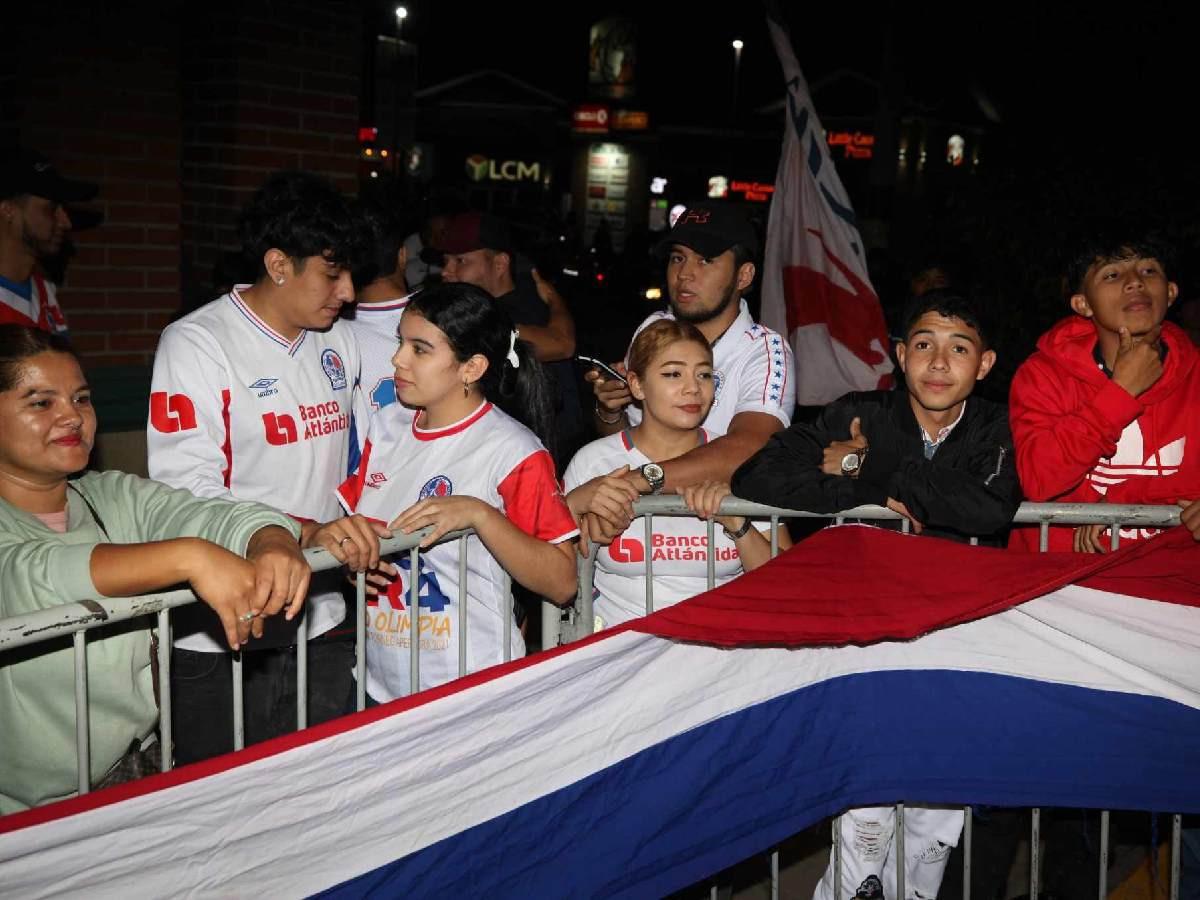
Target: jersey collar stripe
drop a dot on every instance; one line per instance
(18, 304)
(290, 346)
(388, 306)
(625, 439)
(422, 435)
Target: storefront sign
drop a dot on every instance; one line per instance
(590, 118)
(754, 191)
(630, 120)
(854, 144)
(481, 168)
(607, 184)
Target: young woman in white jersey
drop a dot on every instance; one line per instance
(467, 461)
(671, 374)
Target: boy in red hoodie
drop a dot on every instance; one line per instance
(1108, 408)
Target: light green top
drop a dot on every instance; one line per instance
(40, 568)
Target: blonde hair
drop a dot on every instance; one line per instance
(656, 337)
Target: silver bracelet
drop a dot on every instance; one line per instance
(740, 533)
(600, 416)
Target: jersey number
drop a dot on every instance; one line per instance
(383, 393)
(430, 595)
(171, 412)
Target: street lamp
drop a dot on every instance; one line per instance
(737, 64)
(401, 15)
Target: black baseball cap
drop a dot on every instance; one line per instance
(27, 172)
(476, 231)
(710, 229)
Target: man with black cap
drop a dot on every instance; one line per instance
(478, 249)
(33, 226)
(710, 254)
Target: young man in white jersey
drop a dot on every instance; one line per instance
(710, 255)
(256, 396)
(33, 226)
(378, 306)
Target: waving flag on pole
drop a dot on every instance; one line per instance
(816, 289)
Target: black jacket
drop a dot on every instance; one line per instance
(969, 488)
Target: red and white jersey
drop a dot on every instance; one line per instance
(678, 549)
(488, 455)
(239, 411)
(752, 372)
(374, 326)
(41, 310)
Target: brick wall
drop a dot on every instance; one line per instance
(266, 86)
(178, 110)
(96, 90)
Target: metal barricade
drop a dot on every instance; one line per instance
(77, 619)
(558, 626)
(578, 622)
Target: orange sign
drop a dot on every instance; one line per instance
(630, 120)
(753, 190)
(856, 145)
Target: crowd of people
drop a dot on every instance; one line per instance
(330, 402)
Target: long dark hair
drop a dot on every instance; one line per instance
(473, 323)
(18, 343)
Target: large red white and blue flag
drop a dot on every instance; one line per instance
(652, 755)
(816, 289)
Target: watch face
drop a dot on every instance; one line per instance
(850, 462)
(652, 471)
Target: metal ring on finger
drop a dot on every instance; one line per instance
(248, 617)
(343, 540)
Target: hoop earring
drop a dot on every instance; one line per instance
(466, 389)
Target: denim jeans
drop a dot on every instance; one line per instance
(202, 694)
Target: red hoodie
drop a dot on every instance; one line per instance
(1082, 438)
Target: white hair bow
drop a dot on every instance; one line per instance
(513, 359)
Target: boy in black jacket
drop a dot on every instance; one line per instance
(927, 452)
(943, 461)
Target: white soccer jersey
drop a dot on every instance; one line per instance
(752, 371)
(238, 411)
(488, 455)
(41, 310)
(374, 326)
(678, 551)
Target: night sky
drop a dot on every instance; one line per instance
(1070, 75)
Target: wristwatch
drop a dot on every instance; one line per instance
(654, 475)
(852, 462)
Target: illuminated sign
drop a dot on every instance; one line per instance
(718, 186)
(954, 149)
(631, 120)
(855, 145)
(480, 168)
(367, 134)
(755, 191)
(590, 118)
(658, 185)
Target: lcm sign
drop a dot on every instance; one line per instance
(483, 168)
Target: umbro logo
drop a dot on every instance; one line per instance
(375, 479)
(264, 387)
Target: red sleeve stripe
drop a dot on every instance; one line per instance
(349, 492)
(227, 444)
